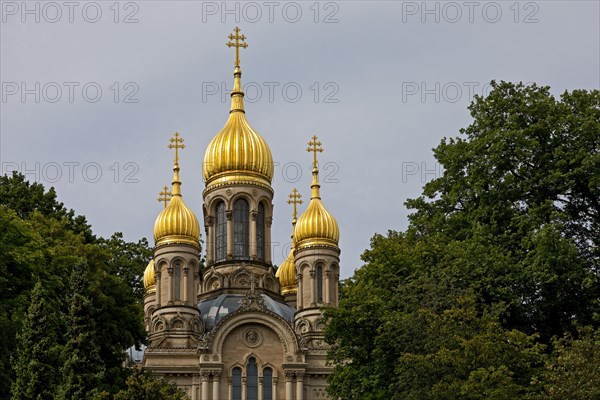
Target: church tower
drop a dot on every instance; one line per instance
(238, 201)
(316, 258)
(286, 273)
(172, 317)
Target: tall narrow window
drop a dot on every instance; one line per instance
(319, 283)
(267, 384)
(236, 383)
(241, 229)
(260, 232)
(221, 233)
(177, 279)
(252, 382)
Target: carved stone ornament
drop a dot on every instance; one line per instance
(252, 337)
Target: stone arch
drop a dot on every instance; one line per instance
(270, 320)
(268, 365)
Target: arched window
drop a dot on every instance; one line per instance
(221, 233)
(267, 384)
(252, 382)
(241, 229)
(177, 279)
(260, 232)
(319, 283)
(236, 383)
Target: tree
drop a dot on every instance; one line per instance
(40, 240)
(573, 371)
(25, 198)
(501, 255)
(142, 385)
(37, 356)
(83, 368)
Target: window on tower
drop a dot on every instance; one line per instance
(177, 274)
(319, 283)
(221, 233)
(241, 229)
(260, 232)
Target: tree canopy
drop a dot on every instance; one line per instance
(500, 256)
(70, 302)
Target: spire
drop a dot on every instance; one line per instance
(237, 94)
(176, 142)
(314, 146)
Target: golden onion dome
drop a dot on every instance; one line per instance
(176, 223)
(149, 281)
(316, 226)
(237, 154)
(286, 273)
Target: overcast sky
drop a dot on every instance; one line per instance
(92, 91)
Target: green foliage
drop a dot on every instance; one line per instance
(83, 369)
(142, 385)
(573, 372)
(26, 198)
(500, 256)
(37, 356)
(41, 241)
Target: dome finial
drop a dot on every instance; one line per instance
(176, 142)
(237, 94)
(315, 147)
(164, 196)
(295, 198)
(176, 223)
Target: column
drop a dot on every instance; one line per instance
(274, 388)
(300, 292)
(244, 382)
(194, 388)
(229, 215)
(170, 272)
(158, 290)
(229, 388)
(260, 388)
(299, 386)
(336, 290)
(327, 286)
(186, 271)
(205, 384)
(268, 249)
(313, 300)
(216, 385)
(289, 388)
(252, 238)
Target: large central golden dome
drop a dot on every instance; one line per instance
(238, 154)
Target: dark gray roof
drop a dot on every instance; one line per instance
(213, 310)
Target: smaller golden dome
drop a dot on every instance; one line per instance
(149, 281)
(316, 226)
(286, 273)
(176, 223)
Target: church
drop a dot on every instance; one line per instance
(235, 327)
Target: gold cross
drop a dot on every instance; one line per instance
(314, 146)
(295, 198)
(164, 196)
(176, 143)
(237, 44)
